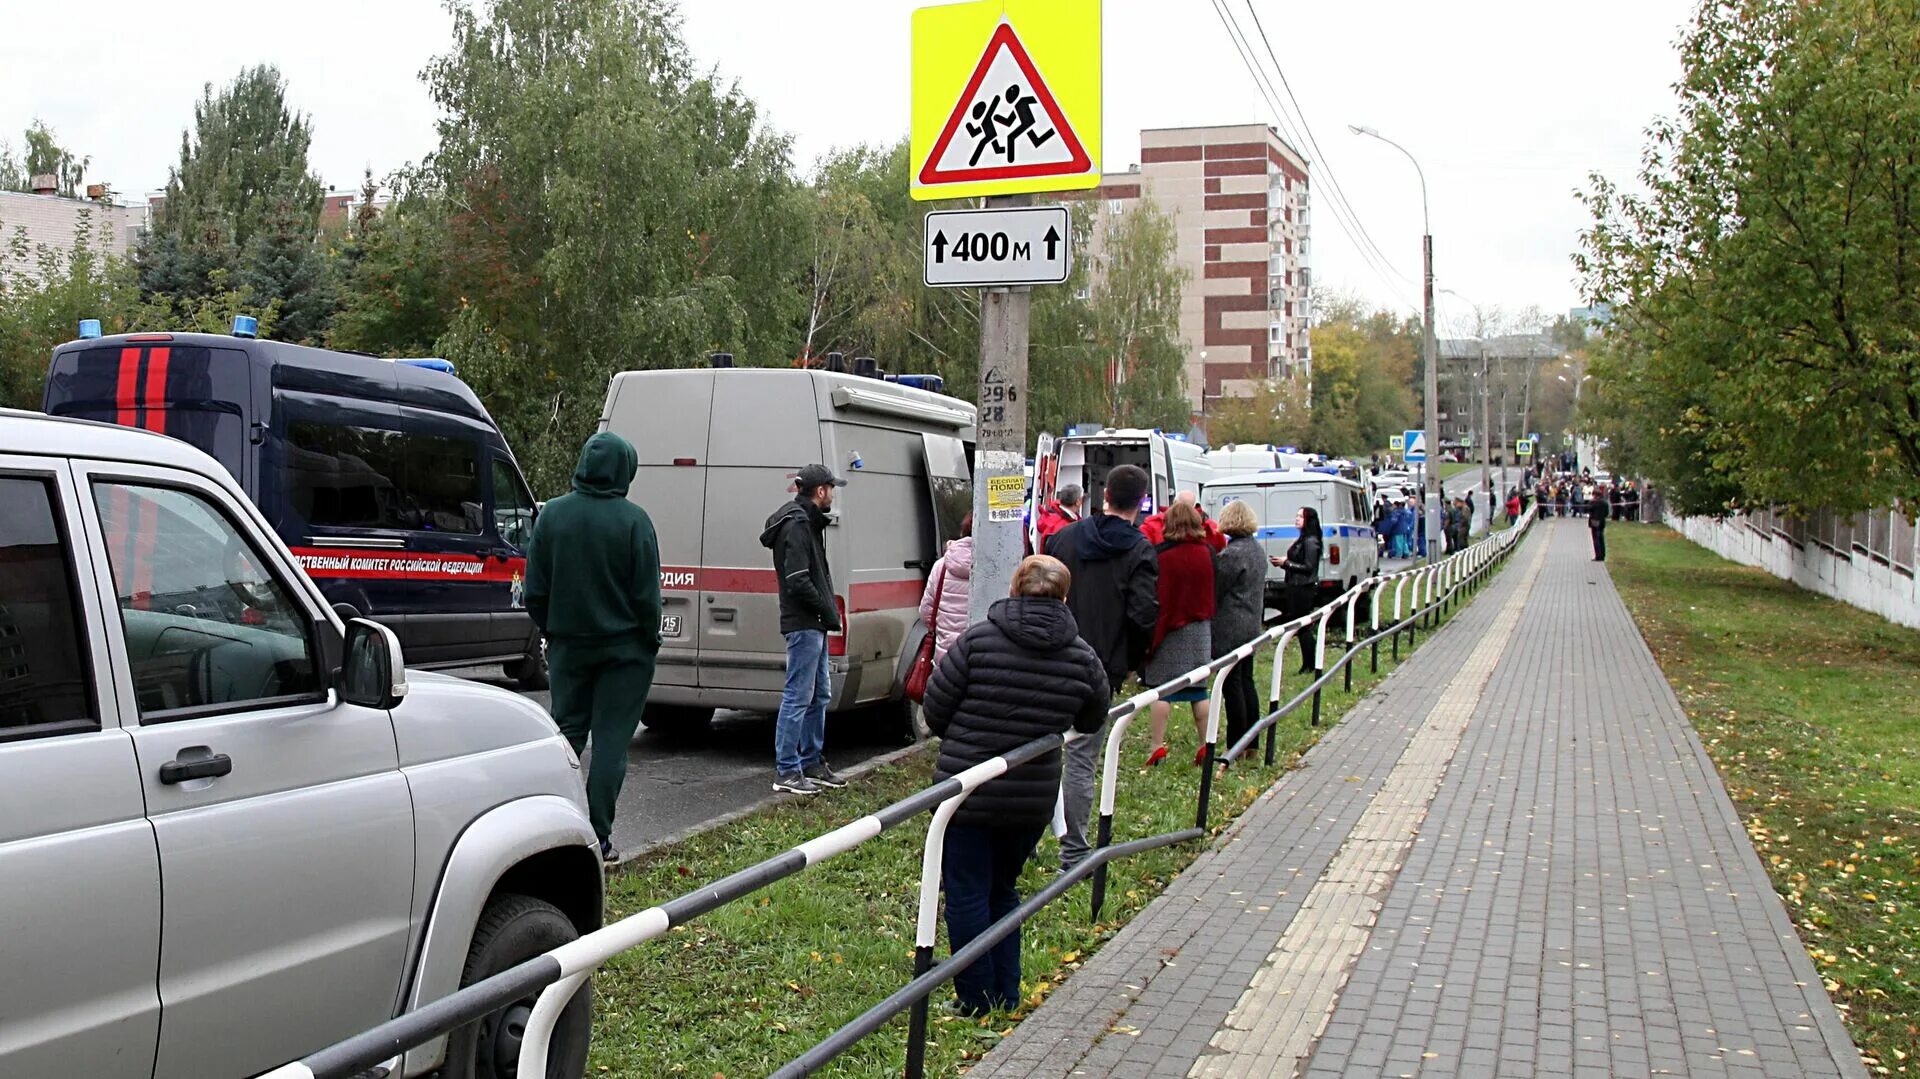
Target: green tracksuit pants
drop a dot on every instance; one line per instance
(599, 690)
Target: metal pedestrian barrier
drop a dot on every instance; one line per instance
(559, 973)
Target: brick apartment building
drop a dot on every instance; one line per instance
(50, 221)
(1238, 197)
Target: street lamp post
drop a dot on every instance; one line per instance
(1432, 386)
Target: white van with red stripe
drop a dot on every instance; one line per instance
(719, 447)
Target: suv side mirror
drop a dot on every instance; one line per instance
(375, 675)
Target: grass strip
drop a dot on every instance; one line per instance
(1807, 706)
(750, 986)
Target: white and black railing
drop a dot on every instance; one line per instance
(558, 974)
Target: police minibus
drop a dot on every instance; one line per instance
(1349, 551)
(387, 479)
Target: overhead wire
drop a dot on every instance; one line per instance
(1325, 161)
(1368, 252)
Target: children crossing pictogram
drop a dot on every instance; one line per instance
(1006, 124)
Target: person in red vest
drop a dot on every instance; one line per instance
(1058, 514)
(1155, 527)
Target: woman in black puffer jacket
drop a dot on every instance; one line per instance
(1021, 674)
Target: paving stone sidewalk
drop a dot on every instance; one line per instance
(1513, 858)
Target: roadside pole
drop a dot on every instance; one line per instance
(1486, 437)
(999, 483)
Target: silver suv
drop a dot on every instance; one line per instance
(232, 830)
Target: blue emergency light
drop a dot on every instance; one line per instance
(246, 326)
(930, 383)
(89, 328)
(431, 363)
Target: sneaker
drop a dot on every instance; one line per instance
(795, 784)
(823, 776)
(608, 853)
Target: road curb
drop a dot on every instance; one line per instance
(629, 860)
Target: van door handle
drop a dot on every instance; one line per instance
(179, 770)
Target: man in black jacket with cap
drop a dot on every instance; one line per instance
(1115, 603)
(795, 534)
(1597, 525)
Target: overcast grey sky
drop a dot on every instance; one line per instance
(1507, 103)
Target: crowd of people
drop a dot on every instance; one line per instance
(1109, 596)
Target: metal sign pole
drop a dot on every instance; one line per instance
(999, 474)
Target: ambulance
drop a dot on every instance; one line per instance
(389, 481)
(719, 447)
(1172, 463)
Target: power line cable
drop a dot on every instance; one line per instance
(1337, 205)
(1326, 162)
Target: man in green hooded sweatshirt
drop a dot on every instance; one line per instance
(593, 587)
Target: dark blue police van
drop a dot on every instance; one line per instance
(387, 479)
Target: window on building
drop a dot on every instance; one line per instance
(1114, 206)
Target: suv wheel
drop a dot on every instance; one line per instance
(531, 672)
(512, 930)
(677, 720)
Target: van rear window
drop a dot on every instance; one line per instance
(364, 477)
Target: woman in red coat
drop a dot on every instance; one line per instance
(1183, 638)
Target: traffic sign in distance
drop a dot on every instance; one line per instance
(1523, 448)
(1024, 245)
(1396, 443)
(1006, 98)
(1416, 444)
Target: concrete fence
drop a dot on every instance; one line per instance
(1867, 560)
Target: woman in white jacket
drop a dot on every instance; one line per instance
(950, 580)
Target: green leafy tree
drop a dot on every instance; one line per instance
(1133, 319)
(394, 295)
(1767, 283)
(611, 209)
(242, 200)
(44, 157)
(1279, 412)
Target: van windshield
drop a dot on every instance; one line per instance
(363, 477)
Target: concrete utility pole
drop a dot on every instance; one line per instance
(1432, 361)
(1486, 434)
(1000, 451)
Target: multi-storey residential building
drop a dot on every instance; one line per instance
(49, 221)
(1487, 388)
(1238, 197)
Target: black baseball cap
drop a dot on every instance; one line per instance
(817, 476)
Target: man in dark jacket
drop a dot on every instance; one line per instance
(1597, 525)
(593, 587)
(1022, 674)
(795, 534)
(1116, 603)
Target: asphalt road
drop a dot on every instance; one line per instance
(676, 784)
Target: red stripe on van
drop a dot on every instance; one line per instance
(865, 595)
(125, 392)
(155, 398)
(886, 595)
(718, 579)
(387, 565)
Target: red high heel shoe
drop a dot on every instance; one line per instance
(1159, 754)
(1200, 755)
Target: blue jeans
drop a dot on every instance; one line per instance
(800, 733)
(979, 868)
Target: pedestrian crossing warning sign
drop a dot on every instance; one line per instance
(1006, 98)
